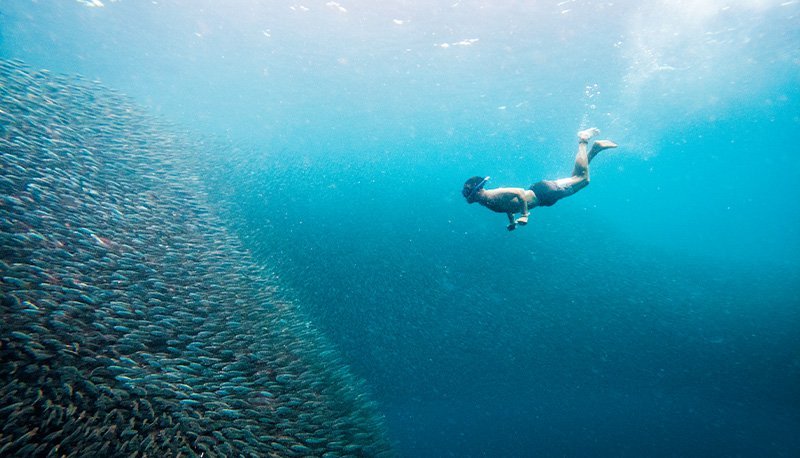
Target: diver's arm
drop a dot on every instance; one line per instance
(523, 219)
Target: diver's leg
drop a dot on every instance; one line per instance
(583, 158)
(580, 173)
(585, 135)
(581, 168)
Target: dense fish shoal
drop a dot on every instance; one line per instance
(132, 323)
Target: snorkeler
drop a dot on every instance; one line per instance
(542, 194)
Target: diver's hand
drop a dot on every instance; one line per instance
(511, 226)
(522, 220)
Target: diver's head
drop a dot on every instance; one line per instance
(472, 186)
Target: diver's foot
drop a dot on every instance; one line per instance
(522, 220)
(511, 226)
(585, 135)
(600, 145)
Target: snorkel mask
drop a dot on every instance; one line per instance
(477, 188)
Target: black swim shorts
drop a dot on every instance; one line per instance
(549, 192)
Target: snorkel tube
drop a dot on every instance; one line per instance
(477, 188)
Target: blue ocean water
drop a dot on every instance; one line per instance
(654, 313)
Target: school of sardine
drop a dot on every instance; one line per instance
(132, 322)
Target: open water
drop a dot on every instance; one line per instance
(324, 144)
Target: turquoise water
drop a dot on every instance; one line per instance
(654, 313)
